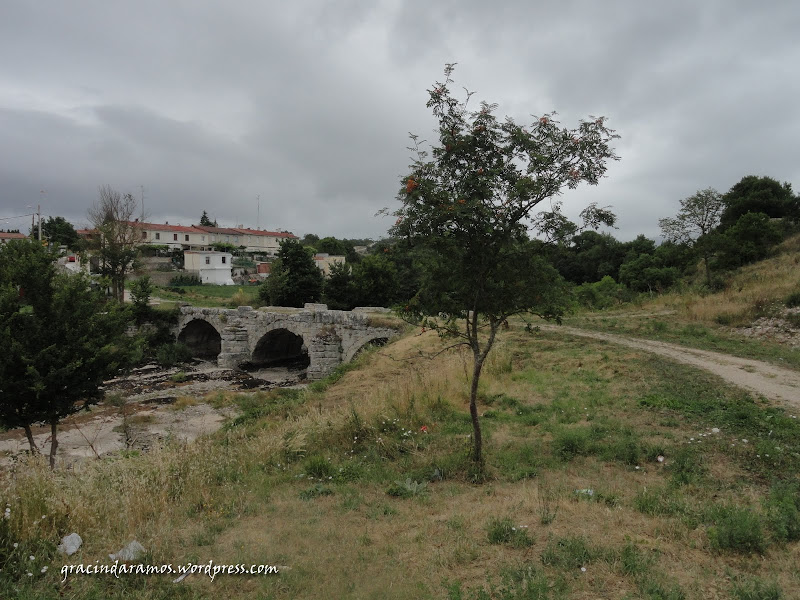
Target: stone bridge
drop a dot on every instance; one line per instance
(312, 336)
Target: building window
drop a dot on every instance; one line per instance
(187, 237)
(202, 238)
(144, 235)
(174, 237)
(158, 236)
(223, 259)
(208, 260)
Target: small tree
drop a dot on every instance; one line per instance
(294, 277)
(698, 217)
(59, 232)
(60, 342)
(206, 221)
(466, 210)
(118, 236)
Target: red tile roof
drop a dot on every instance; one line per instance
(6, 235)
(167, 227)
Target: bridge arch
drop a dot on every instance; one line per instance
(202, 338)
(280, 344)
(378, 339)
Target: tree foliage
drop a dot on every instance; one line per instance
(206, 221)
(759, 195)
(118, 236)
(699, 216)
(465, 209)
(60, 232)
(60, 342)
(294, 278)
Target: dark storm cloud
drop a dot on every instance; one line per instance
(308, 104)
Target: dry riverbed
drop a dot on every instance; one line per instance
(146, 408)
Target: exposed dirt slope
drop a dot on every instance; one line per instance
(756, 376)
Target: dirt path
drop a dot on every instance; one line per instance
(756, 376)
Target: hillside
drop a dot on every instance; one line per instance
(756, 315)
(612, 473)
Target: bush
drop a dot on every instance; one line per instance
(170, 355)
(569, 443)
(179, 280)
(738, 530)
(793, 300)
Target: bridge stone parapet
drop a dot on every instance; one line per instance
(243, 335)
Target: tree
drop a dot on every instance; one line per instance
(59, 232)
(60, 342)
(206, 221)
(294, 277)
(748, 240)
(338, 288)
(699, 215)
(118, 236)
(759, 195)
(466, 209)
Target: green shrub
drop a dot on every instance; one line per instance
(170, 355)
(315, 492)
(503, 531)
(783, 511)
(408, 488)
(568, 553)
(793, 300)
(738, 530)
(185, 280)
(319, 467)
(571, 442)
(754, 588)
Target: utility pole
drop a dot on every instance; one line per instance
(39, 213)
(258, 218)
(141, 187)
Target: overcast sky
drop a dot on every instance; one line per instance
(209, 105)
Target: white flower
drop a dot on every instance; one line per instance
(44, 569)
(744, 441)
(16, 544)
(715, 430)
(31, 557)
(637, 468)
(30, 574)
(583, 569)
(660, 458)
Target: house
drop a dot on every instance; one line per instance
(209, 266)
(326, 261)
(253, 240)
(7, 236)
(175, 237)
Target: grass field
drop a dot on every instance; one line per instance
(611, 474)
(212, 295)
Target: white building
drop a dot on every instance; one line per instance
(209, 266)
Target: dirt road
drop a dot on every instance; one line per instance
(772, 382)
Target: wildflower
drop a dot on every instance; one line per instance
(660, 459)
(715, 430)
(16, 544)
(44, 569)
(424, 429)
(30, 574)
(31, 557)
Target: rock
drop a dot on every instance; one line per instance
(130, 552)
(69, 544)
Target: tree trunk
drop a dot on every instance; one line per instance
(477, 440)
(29, 435)
(708, 270)
(53, 443)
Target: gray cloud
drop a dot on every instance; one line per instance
(308, 105)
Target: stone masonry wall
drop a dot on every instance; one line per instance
(330, 336)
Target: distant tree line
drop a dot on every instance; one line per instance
(712, 231)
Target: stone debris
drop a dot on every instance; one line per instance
(777, 328)
(69, 544)
(132, 551)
